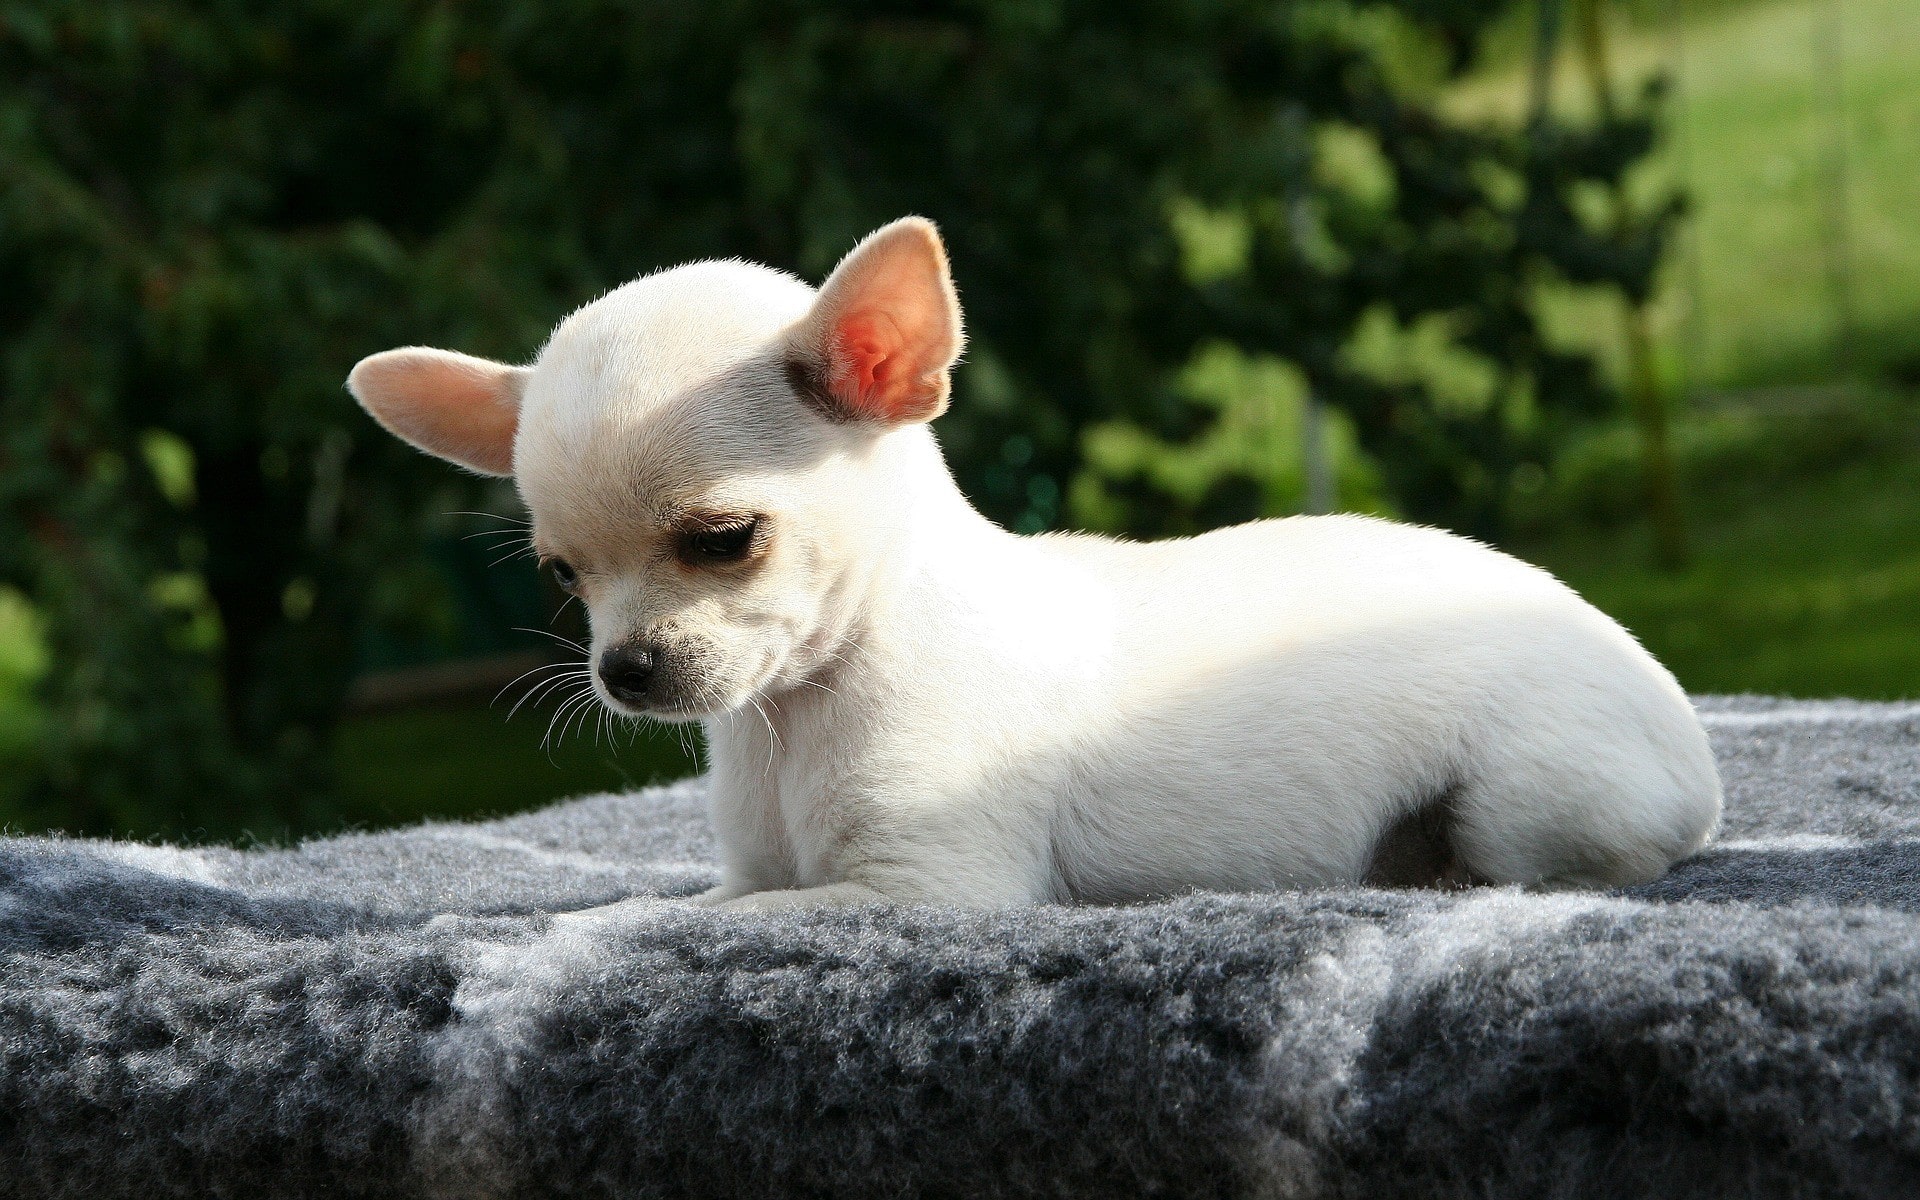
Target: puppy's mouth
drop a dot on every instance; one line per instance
(670, 710)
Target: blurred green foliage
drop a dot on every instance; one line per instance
(210, 210)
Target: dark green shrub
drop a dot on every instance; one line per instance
(210, 210)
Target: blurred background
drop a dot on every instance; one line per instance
(1628, 287)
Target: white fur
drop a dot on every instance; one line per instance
(905, 702)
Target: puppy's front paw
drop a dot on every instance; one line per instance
(717, 895)
(832, 895)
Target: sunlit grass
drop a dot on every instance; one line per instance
(1762, 136)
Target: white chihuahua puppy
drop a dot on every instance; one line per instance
(905, 702)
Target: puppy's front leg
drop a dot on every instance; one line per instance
(720, 894)
(743, 802)
(832, 895)
(858, 847)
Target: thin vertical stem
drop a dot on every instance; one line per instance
(1643, 384)
(1694, 333)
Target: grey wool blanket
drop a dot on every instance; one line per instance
(518, 1008)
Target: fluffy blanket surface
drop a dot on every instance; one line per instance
(518, 1008)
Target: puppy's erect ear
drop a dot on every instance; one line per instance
(884, 331)
(454, 406)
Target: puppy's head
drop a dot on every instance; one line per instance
(711, 456)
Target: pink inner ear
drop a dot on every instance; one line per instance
(886, 327)
(866, 365)
(450, 405)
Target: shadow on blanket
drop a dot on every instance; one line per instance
(403, 1014)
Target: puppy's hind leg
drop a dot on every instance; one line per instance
(1582, 820)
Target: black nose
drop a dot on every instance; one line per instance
(625, 670)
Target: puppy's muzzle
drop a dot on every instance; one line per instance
(627, 671)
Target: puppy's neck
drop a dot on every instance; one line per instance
(936, 517)
(920, 546)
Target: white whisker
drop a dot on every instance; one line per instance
(461, 512)
(566, 701)
(571, 724)
(522, 675)
(567, 708)
(564, 641)
(588, 713)
(546, 686)
(503, 537)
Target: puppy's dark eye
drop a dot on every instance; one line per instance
(563, 573)
(723, 543)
